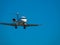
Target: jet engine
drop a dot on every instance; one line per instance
(14, 20)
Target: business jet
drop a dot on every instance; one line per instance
(19, 22)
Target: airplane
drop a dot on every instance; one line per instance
(19, 22)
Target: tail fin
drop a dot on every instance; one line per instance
(17, 14)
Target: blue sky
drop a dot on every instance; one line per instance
(46, 12)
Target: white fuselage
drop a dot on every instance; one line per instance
(23, 18)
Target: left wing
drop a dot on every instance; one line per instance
(10, 24)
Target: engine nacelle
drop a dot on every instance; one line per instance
(14, 20)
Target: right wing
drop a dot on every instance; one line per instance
(32, 25)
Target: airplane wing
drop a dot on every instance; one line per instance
(10, 24)
(32, 25)
(14, 24)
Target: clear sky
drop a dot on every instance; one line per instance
(46, 12)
